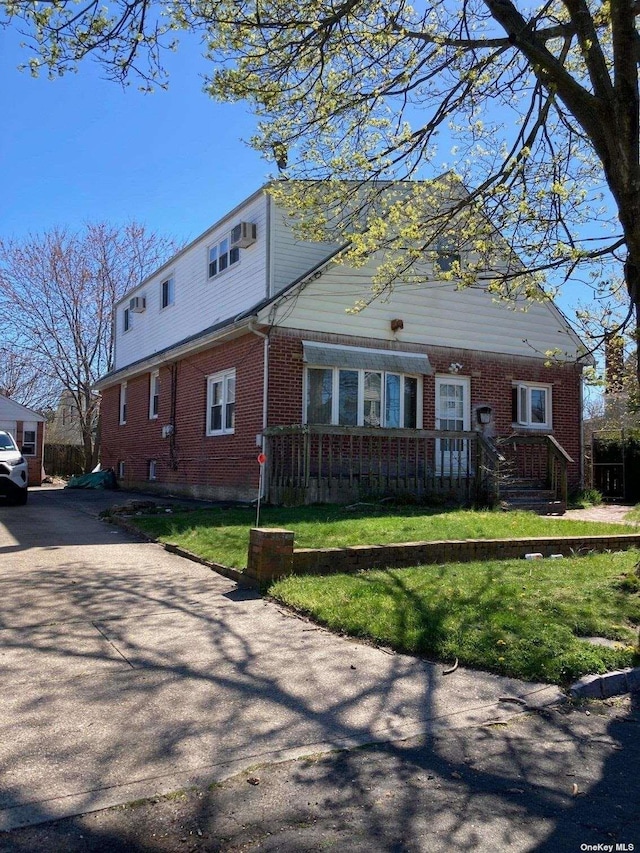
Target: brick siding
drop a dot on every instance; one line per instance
(225, 467)
(491, 378)
(190, 462)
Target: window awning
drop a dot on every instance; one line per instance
(331, 355)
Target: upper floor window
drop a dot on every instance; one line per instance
(167, 292)
(221, 403)
(123, 403)
(126, 320)
(362, 398)
(531, 405)
(447, 255)
(222, 256)
(154, 393)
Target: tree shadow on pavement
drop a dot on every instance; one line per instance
(130, 672)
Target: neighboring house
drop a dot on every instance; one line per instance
(612, 436)
(65, 427)
(244, 341)
(27, 428)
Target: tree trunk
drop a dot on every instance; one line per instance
(97, 442)
(88, 449)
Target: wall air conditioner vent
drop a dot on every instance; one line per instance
(243, 235)
(137, 304)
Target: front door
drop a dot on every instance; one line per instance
(452, 413)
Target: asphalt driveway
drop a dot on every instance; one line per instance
(129, 671)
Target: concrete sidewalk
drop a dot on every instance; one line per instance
(128, 672)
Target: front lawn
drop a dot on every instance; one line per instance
(519, 618)
(222, 535)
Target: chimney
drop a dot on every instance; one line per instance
(614, 364)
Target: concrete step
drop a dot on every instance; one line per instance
(541, 507)
(510, 494)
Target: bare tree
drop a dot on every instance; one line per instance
(25, 379)
(57, 292)
(535, 108)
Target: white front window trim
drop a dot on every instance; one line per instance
(531, 405)
(220, 256)
(358, 397)
(167, 292)
(154, 394)
(123, 403)
(221, 403)
(29, 433)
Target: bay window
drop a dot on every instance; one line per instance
(370, 398)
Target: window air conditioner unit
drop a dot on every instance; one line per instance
(243, 235)
(137, 304)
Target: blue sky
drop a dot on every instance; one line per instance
(81, 148)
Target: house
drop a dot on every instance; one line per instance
(27, 428)
(612, 434)
(245, 341)
(64, 427)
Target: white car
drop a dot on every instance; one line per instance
(14, 473)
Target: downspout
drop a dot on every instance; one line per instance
(265, 386)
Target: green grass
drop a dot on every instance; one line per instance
(633, 515)
(518, 618)
(222, 535)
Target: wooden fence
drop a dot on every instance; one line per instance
(63, 460)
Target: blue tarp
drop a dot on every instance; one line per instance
(97, 480)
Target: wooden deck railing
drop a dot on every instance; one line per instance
(319, 464)
(306, 464)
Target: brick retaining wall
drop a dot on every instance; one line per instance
(272, 555)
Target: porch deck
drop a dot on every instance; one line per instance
(332, 464)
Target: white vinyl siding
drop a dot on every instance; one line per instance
(198, 304)
(291, 257)
(433, 313)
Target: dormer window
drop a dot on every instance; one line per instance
(447, 255)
